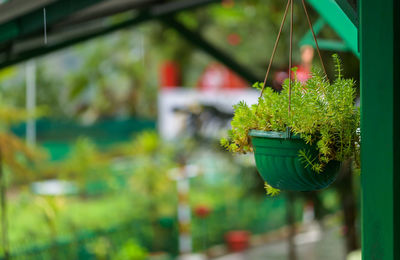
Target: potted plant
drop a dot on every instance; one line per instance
(300, 148)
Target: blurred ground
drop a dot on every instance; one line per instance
(314, 244)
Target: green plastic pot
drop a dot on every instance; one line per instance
(278, 162)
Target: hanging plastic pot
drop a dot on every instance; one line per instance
(278, 162)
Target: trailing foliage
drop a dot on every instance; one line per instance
(322, 113)
(19, 160)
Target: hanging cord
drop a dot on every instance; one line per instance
(315, 38)
(290, 2)
(290, 58)
(275, 46)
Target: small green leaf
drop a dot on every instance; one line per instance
(271, 191)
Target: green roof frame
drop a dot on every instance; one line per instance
(151, 12)
(33, 21)
(28, 28)
(323, 44)
(342, 18)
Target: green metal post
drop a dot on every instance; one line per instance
(380, 103)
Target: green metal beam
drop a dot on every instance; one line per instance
(330, 11)
(34, 21)
(198, 41)
(330, 45)
(380, 129)
(308, 37)
(349, 11)
(54, 47)
(147, 15)
(152, 13)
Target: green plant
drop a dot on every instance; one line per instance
(131, 250)
(16, 157)
(85, 164)
(322, 113)
(150, 179)
(51, 206)
(100, 247)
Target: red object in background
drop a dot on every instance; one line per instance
(234, 39)
(302, 73)
(202, 211)
(228, 3)
(170, 74)
(237, 240)
(218, 77)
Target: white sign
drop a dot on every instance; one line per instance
(183, 110)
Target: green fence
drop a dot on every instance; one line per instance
(57, 135)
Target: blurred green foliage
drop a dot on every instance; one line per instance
(85, 164)
(131, 251)
(145, 200)
(18, 160)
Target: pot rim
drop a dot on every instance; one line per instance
(273, 134)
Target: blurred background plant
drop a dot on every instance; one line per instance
(132, 251)
(87, 167)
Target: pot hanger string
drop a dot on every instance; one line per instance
(290, 57)
(275, 46)
(315, 38)
(290, 4)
